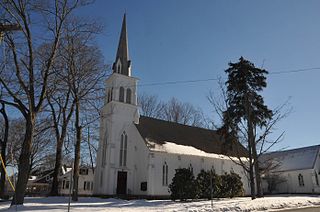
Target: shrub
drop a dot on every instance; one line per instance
(231, 185)
(183, 185)
(204, 184)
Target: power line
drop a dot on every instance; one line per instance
(295, 71)
(217, 78)
(178, 82)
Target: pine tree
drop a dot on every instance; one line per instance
(246, 106)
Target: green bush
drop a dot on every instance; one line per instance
(183, 185)
(231, 185)
(205, 186)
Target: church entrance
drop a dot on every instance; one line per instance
(122, 183)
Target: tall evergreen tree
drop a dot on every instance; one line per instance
(246, 107)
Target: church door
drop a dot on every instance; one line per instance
(122, 183)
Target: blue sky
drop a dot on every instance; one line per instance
(173, 40)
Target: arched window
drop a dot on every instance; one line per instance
(111, 94)
(190, 167)
(300, 179)
(317, 179)
(108, 96)
(121, 94)
(165, 174)
(128, 97)
(118, 68)
(123, 149)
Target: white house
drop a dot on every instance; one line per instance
(295, 170)
(85, 186)
(138, 155)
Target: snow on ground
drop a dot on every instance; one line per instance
(58, 204)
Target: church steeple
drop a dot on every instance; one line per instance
(122, 62)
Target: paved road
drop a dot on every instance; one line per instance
(311, 209)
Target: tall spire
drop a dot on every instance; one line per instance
(122, 62)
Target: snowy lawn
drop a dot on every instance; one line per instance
(56, 204)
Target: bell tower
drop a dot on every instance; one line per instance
(118, 116)
(121, 86)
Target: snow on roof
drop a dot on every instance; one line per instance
(294, 159)
(160, 131)
(173, 148)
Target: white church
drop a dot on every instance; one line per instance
(138, 155)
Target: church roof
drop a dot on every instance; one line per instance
(293, 159)
(160, 132)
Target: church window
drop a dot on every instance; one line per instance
(123, 149)
(83, 171)
(121, 94)
(165, 174)
(110, 91)
(190, 167)
(108, 96)
(111, 94)
(104, 149)
(317, 179)
(300, 178)
(118, 69)
(128, 97)
(86, 185)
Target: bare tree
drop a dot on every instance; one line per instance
(3, 146)
(183, 113)
(61, 106)
(26, 82)
(273, 180)
(150, 105)
(173, 110)
(84, 76)
(42, 144)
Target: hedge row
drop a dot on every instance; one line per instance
(207, 185)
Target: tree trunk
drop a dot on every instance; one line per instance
(90, 153)
(57, 167)
(250, 147)
(2, 171)
(3, 151)
(77, 151)
(251, 175)
(24, 162)
(257, 170)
